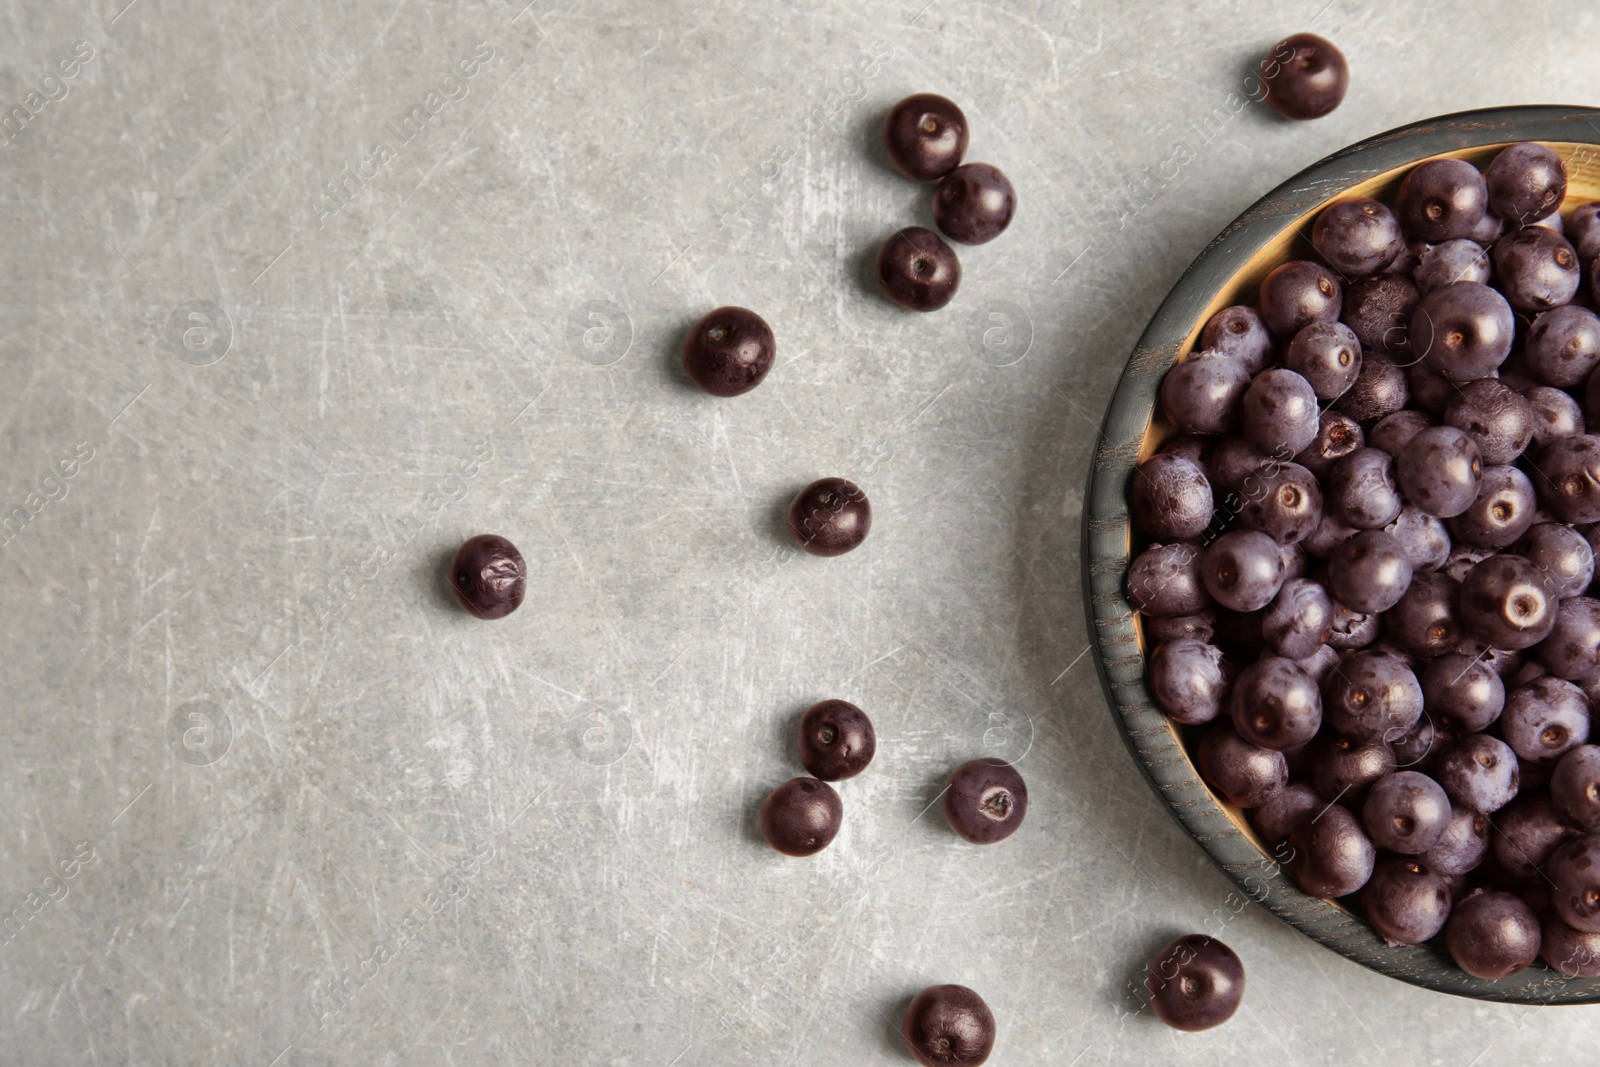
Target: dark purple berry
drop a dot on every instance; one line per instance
(1305, 77)
(1478, 772)
(1505, 604)
(1462, 693)
(1570, 476)
(926, 136)
(1281, 814)
(1238, 331)
(1426, 621)
(1405, 900)
(1572, 651)
(1166, 580)
(489, 577)
(1424, 537)
(1526, 182)
(1353, 629)
(1563, 346)
(1562, 556)
(1299, 619)
(1373, 696)
(1380, 390)
(974, 203)
(1545, 719)
(836, 740)
(1574, 953)
(729, 351)
(1555, 414)
(1499, 419)
(1243, 570)
(1536, 269)
(1463, 330)
(1442, 264)
(1276, 705)
(1362, 491)
(801, 816)
(1392, 433)
(1333, 857)
(1492, 934)
(917, 270)
(1526, 833)
(1575, 788)
(1159, 629)
(1573, 870)
(1298, 293)
(1327, 355)
(1195, 983)
(1201, 393)
(1378, 309)
(1343, 770)
(985, 801)
(1245, 774)
(1406, 812)
(1370, 572)
(1501, 512)
(1440, 470)
(1189, 679)
(1463, 844)
(1284, 502)
(830, 517)
(1279, 412)
(1170, 498)
(1357, 235)
(948, 1026)
(1442, 199)
(1338, 435)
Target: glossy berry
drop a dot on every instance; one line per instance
(1282, 813)
(1298, 293)
(1463, 330)
(1478, 772)
(1166, 580)
(1572, 651)
(985, 801)
(836, 740)
(1463, 844)
(1279, 412)
(1575, 788)
(1406, 812)
(1362, 491)
(1353, 629)
(1239, 331)
(1326, 354)
(1299, 620)
(1545, 719)
(1332, 855)
(1243, 570)
(1189, 679)
(489, 577)
(1427, 620)
(926, 136)
(1357, 235)
(1424, 537)
(1526, 182)
(1373, 696)
(1305, 76)
(1201, 393)
(974, 203)
(1378, 309)
(1462, 693)
(1392, 433)
(1170, 498)
(1505, 603)
(1492, 934)
(1405, 900)
(830, 517)
(1459, 260)
(1246, 775)
(1343, 770)
(1440, 470)
(1159, 629)
(1501, 512)
(1574, 953)
(1526, 834)
(1555, 414)
(1563, 346)
(1561, 555)
(1583, 230)
(917, 270)
(1442, 199)
(729, 351)
(948, 1025)
(1276, 705)
(1536, 269)
(1283, 501)
(801, 816)
(1370, 572)
(1195, 983)
(1573, 870)
(1570, 482)
(1338, 435)
(1380, 390)
(1499, 419)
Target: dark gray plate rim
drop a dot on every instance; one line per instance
(1106, 540)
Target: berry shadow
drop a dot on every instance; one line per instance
(434, 573)
(869, 136)
(670, 367)
(1247, 83)
(891, 1011)
(787, 744)
(778, 518)
(750, 822)
(1131, 996)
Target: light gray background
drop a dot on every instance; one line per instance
(607, 746)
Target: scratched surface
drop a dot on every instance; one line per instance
(298, 295)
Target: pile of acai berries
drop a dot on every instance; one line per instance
(1371, 553)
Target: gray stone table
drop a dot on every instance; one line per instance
(298, 295)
